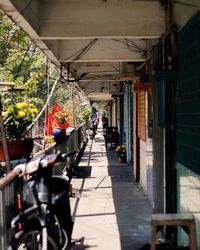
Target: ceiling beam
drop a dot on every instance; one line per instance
(96, 96)
(94, 36)
(99, 50)
(101, 19)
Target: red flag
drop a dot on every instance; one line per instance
(56, 123)
(49, 124)
(57, 108)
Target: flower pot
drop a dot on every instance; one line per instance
(91, 136)
(122, 159)
(17, 148)
(59, 135)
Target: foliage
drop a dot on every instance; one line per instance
(85, 113)
(60, 117)
(121, 150)
(71, 99)
(17, 117)
(10, 35)
(49, 138)
(23, 63)
(20, 62)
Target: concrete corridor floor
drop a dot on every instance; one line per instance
(110, 210)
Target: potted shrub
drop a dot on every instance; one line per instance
(60, 119)
(59, 126)
(17, 117)
(121, 151)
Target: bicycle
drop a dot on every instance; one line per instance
(41, 222)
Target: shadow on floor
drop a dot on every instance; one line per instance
(132, 207)
(82, 172)
(163, 246)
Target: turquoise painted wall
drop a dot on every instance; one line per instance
(188, 123)
(188, 197)
(128, 118)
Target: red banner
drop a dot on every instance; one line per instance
(49, 124)
(56, 123)
(52, 122)
(57, 108)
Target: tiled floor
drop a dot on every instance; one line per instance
(110, 210)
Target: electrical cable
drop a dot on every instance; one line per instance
(81, 52)
(86, 49)
(133, 47)
(140, 50)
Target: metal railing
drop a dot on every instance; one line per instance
(76, 138)
(75, 141)
(7, 207)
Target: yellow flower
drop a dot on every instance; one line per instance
(21, 105)
(3, 113)
(21, 114)
(117, 148)
(9, 110)
(34, 110)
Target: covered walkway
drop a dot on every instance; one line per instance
(110, 210)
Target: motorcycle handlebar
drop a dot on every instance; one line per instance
(45, 161)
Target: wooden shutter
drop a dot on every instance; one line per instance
(141, 111)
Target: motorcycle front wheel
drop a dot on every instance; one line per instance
(32, 240)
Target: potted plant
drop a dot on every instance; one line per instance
(121, 151)
(60, 118)
(59, 126)
(17, 117)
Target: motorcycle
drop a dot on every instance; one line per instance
(44, 218)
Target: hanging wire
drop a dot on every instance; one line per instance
(140, 50)
(82, 51)
(131, 46)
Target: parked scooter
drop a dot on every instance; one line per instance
(44, 220)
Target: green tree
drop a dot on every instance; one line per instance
(23, 63)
